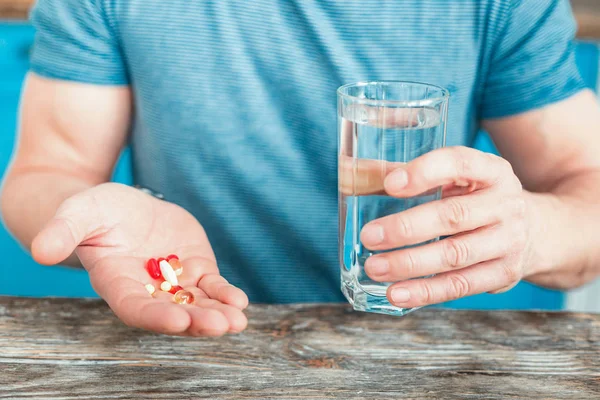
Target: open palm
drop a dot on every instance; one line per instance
(114, 230)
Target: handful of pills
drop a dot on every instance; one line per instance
(168, 269)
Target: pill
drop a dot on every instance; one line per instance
(183, 297)
(153, 268)
(171, 257)
(175, 263)
(165, 286)
(175, 289)
(150, 288)
(168, 273)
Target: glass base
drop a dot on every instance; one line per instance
(362, 300)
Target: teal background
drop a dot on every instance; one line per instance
(17, 267)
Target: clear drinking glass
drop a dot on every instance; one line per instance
(381, 125)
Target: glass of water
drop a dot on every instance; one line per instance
(381, 126)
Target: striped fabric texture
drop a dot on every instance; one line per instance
(235, 110)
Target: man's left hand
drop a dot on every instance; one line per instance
(483, 213)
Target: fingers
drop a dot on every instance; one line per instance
(460, 169)
(145, 312)
(236, 319)
(504, 289)
(54, 243)
(439, 218)
(211, 283)
(217, 287)
(130, 301)
(207, 317)
(449, 254)
(74, 221)
(123, 289)
(204, 317)
(206, 321)
(479, 278)
(458, 165)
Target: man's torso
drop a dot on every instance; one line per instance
(235, 113)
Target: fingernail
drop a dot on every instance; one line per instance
(396, 181)
(372, 234)
(377, 265)
(400, 295)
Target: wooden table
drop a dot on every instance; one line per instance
(68, 349)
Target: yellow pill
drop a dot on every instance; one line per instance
(150, 288)
(165, 286)
(183, 297)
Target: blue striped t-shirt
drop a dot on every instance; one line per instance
(235, 102)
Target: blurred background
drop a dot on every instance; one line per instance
(16, 37)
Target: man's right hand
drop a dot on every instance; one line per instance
(56, 202)
(114, 229)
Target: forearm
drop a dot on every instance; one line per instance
(565, 224)
(30, 198)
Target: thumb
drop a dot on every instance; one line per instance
(72, 224)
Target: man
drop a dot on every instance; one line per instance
(230, 112)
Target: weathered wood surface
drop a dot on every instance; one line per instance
(587, 13)
(67, 349)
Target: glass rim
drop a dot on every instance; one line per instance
(443, 96)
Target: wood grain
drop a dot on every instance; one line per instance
(67, 349)
(587, 13)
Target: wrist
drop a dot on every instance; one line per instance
(546, 240)
(30, 200)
